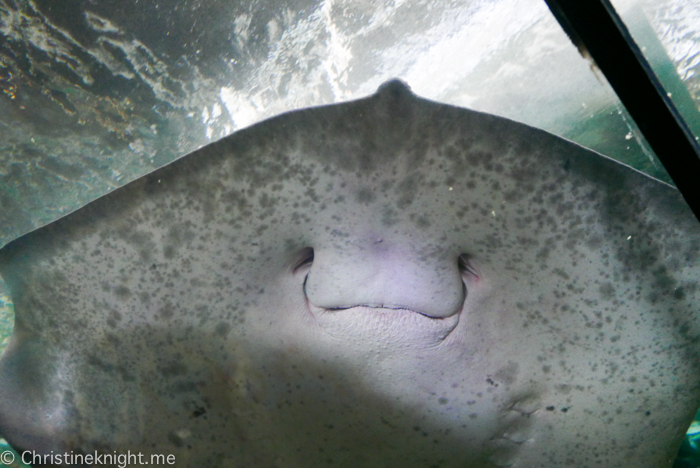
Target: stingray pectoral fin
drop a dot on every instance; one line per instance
(31, 415)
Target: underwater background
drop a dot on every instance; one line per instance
(95, 94)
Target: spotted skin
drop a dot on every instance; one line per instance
(388, 282)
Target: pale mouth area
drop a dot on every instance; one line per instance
(391, 307)
(386, 325)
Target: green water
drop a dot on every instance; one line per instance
(9, 457)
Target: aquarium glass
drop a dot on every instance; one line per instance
(95, 94)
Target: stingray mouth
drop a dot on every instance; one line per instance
(387, 324)
(385, 309)
(381, 309)
(386, 320)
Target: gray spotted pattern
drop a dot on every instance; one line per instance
(389, 282)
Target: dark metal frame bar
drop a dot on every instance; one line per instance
(596, 29)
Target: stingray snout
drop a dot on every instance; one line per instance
(393, 279)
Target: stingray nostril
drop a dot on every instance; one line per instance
(466, 266)
(304, 259)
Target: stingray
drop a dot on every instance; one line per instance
(388, 282)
